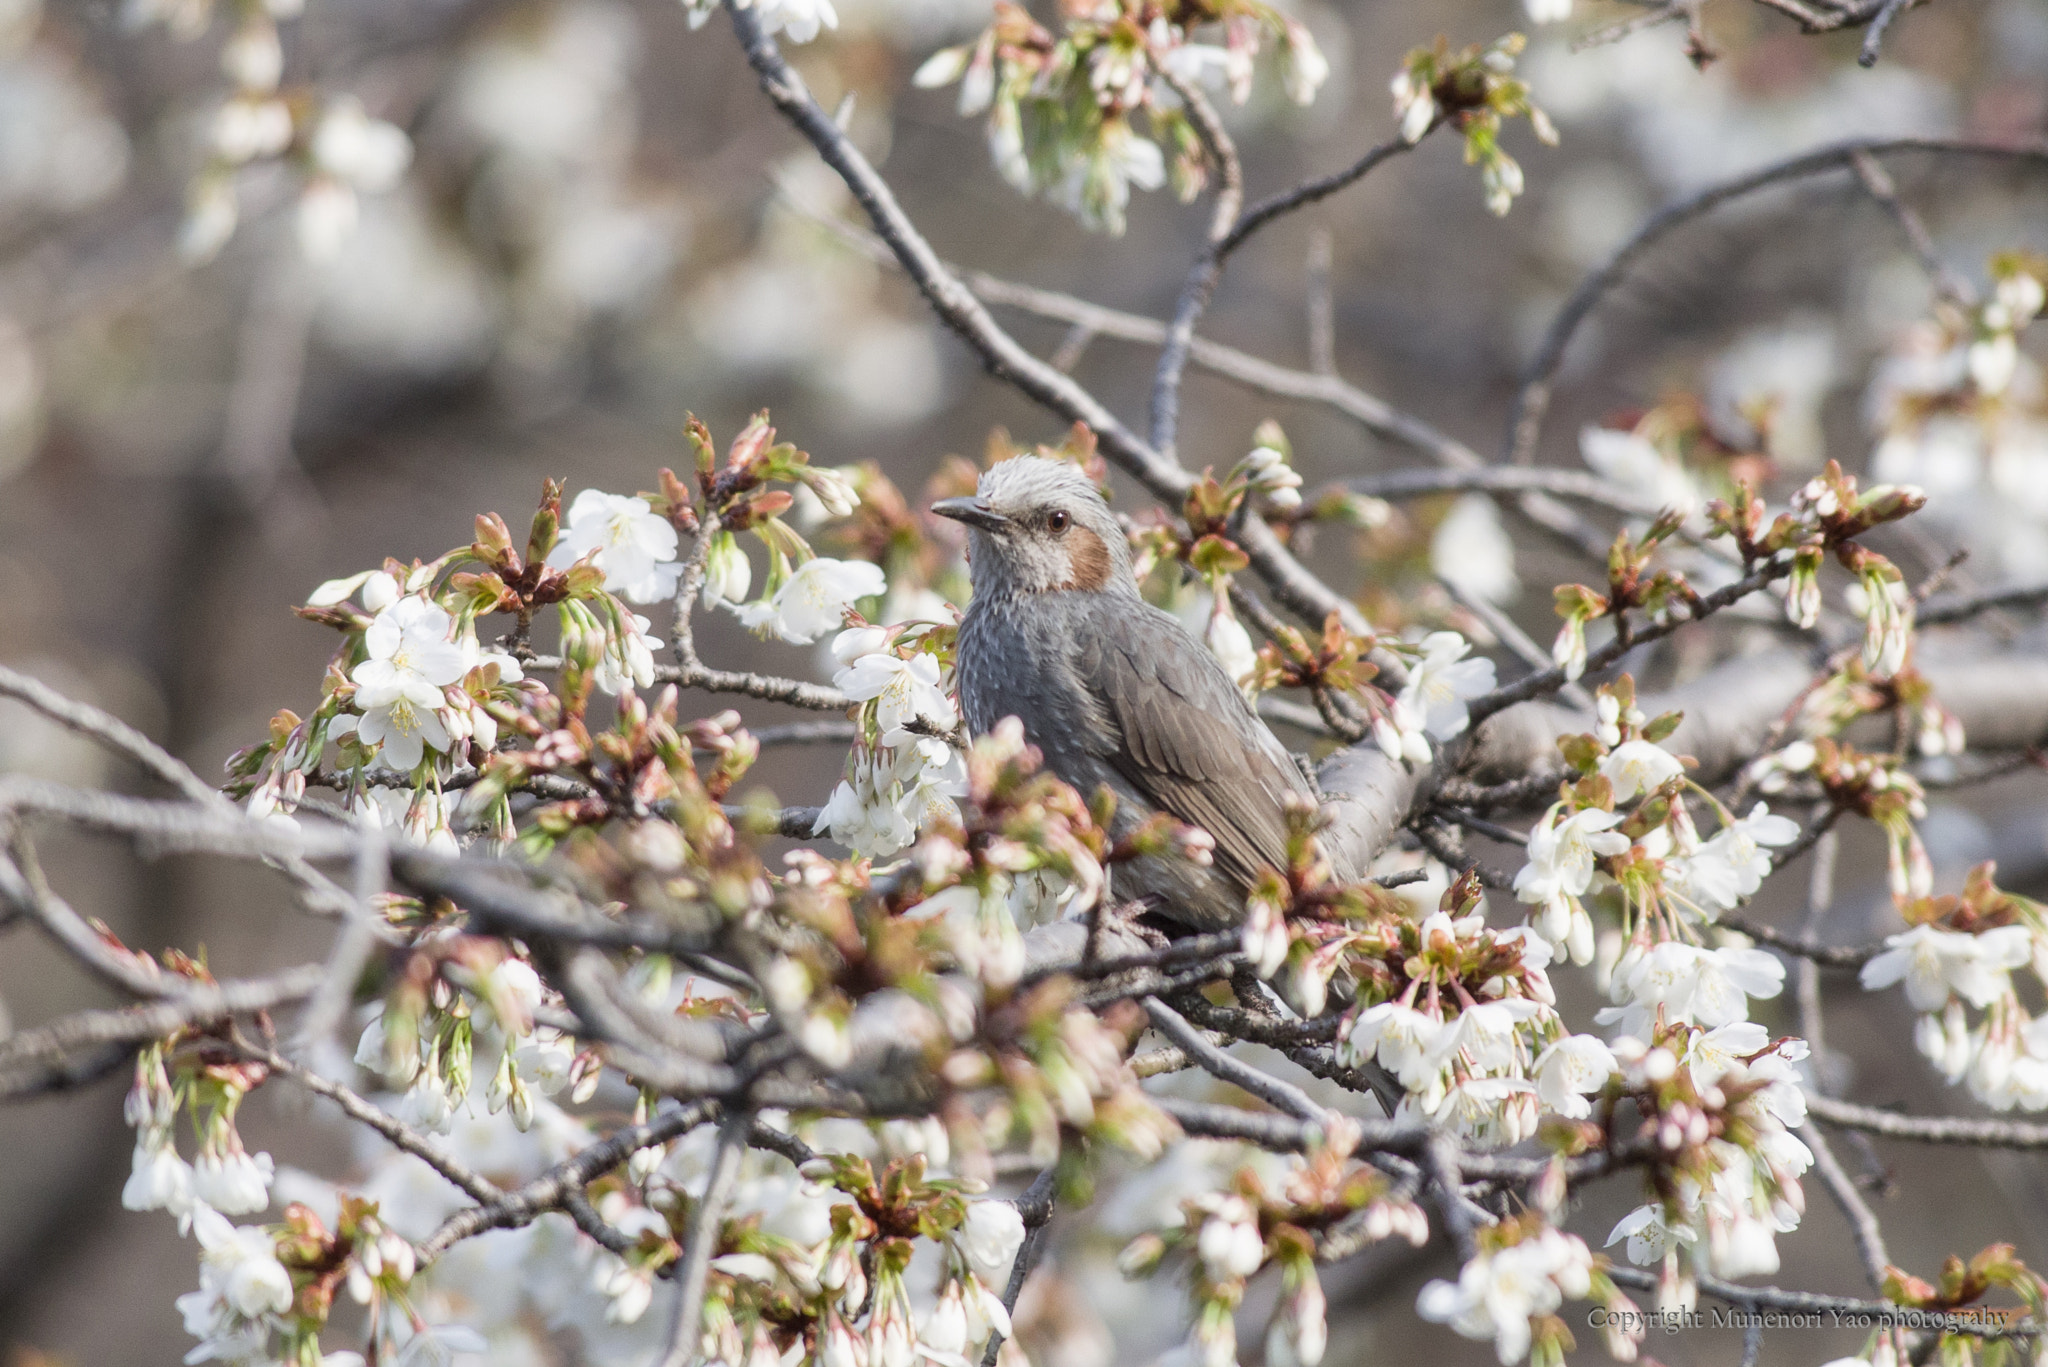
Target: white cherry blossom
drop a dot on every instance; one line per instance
(799, 21)
(1733, 864)
(241, 1284)
(1400, 733)
(234, 1182)
(628, 658)
(728, 574)
(1440, 683)
(1497, 1293)
(1560, 869)
(1708, 987)
(1229, 1243)
(814, 600)
(160, 1179)
(1712, 1054)
(1650, 1234)
(991, 1236)
(1933, 962)
(1639, 766)
(1488, 1112)
(624, 537)
(1569, 1070)
(1633, 462)
(1402, 1039)
(1485, 1034)
(399, 688)
(906, 693)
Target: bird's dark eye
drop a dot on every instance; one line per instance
(1057, 522)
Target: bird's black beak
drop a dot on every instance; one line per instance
(973, 512)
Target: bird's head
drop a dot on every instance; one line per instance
(1039, 526)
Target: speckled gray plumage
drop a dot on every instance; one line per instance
(1114, 691)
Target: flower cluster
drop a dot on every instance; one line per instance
(1718, 1106)
(459, 1004)
(1461, 1015)
(1476, 91)
(1653, 857)
(907, 772)
(264, 1291)
(840, 1253)
(1234, 1233)
(337, 150)
(1431, 704)
(1877, 786)
(1511, 1290)
(1958, 955)
(1960, 410)
(224, 1177)
(1062, 108)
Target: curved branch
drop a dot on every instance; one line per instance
(524, 1204)
(1006, 359)
(1309, 191)
(1581, 485)
(424, 1147)
(30, 1055)
(1206, 273)
(1533, 402)
(1218, 1064)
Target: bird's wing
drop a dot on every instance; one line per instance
(1183, 736)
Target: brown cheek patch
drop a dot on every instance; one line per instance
(1089, 558)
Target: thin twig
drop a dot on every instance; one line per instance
(21, 884)
(1882, 188)
(1207, 270)
(1322, 305)
(1550, 680)
(109, 731)
(424, 1147)
(1862, 1220)
(202, 1004)
(1961, 607)
(1514, 638)
(524, 1204)
(1035, 1206)
(1928, 1129)
(1218, 1064)
(705, 1221)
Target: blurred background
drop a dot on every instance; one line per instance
(596, 236)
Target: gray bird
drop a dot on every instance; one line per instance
(1112, 690)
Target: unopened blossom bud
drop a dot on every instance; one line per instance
(838, 1346)
(1414, 106)
(1141, 1255)
(1299, 1331)
(1265, 936)
(945, 1328)
(160, 1179)
(833, 489)
(1229, 1243)
(1802, 588)
(246, 129)
(991, 1236)
(728, 574)
(891, 1342)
